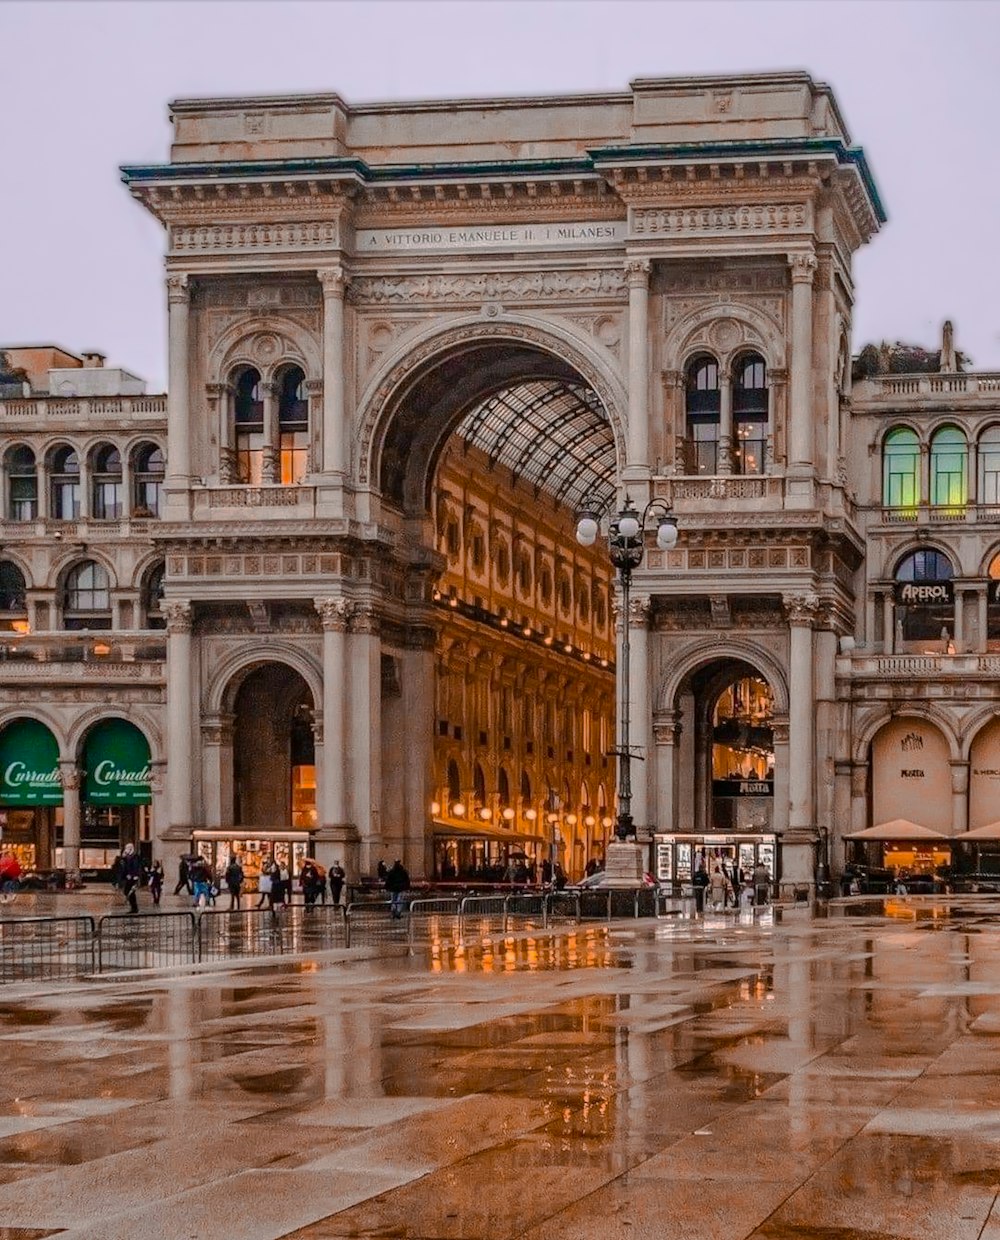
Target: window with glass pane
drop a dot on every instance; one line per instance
(922, 622)
(993, 604)
(22, 485)
(901, 469)
(13, 592)
(989, 466)
(148, 473)
(87, 597)
(153, 598)
(107, 484)
(249, 419)
(948, 460)
(703, 406)
(65, 485)
(293, 426)
(749, 415)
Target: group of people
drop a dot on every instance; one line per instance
(128, 874)
(726, 888)
(274, 884)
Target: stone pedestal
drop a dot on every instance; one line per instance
(623, 865)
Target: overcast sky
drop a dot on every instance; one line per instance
(84, 87)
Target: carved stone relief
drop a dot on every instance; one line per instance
(487, 286)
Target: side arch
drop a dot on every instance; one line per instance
(724, 329)
(245, 658)
(914, 710)
(697, 653)
(264, 343)
(138, 717)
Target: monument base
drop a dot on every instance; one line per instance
(623, 865)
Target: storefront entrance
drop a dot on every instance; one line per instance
(253, 851)
(30, 793)
(679, 857)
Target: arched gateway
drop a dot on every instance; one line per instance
(398, 365)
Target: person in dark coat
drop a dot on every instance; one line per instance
(129, 876)
(337, 877)
(183, 877)
(234, 882)
(397, 881)
(156, 881)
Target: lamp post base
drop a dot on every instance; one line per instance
(623, 864)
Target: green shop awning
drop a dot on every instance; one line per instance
(116, 761)
(29, 765)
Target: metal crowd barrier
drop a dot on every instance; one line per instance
(483, 914)
(46, 948)
(125, 941)
(369, 922)
(433, 918)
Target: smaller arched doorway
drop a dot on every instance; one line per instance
(115, 795)
(272, 774)
(724, 755)
(31, 793)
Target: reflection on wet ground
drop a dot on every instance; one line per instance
(831, 1077)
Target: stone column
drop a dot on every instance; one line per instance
(982, 613)
(859, 796)
(959, 638)
(725, 424)
(269, 464)
(800, 438)
(666, 734)
(217, 769)
(637, 275)
(959, 797)
(782, 763)
(418, 772)
(157, 807)
(221, 418)
(869, 637)
(178, 363)
(334, 285)
(801, 710)
(69, 776)
(180, 694)
(777, 378)
(641, 712)
(335, 614)
(365, 737)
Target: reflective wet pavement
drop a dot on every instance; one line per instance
(832, 1077)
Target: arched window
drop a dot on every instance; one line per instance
(13, 591)
(454, 782)
(993, 604)
(989, 466)
(703, 408)
(248, 417)
(749, 414)
(524, 571)
(106, 483)
(148, 469)
(901, 470)
(479, 785)
(924, 599)
(293, 426)
(87, 597)
(64, 474)
(503, 788)
(22, 484)
(525, 788)
(503, 563)
(949, 487)
(152, 599)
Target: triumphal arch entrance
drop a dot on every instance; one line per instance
(408, 344)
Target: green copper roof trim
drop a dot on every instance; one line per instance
(587, 165)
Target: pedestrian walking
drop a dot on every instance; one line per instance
(234, 882)
(156, 877)
(264, 885)
(397, 882)
(699, 883)
(337, 877)
(183, 877)
(761, 883)
(308, 882)
(129, 875)
(200, 876)
(718, 888)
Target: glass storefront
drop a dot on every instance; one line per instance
(253, 851)
(679, 857)
(743, 757)
(485, 859)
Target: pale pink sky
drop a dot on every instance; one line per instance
(84, 87)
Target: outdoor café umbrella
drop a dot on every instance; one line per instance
(990, 832)
(897, 829)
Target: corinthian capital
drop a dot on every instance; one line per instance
(179, 614)
(178, 290)
(69, 777)
(332, 281)
(803, 268)
(801, 608)
(637, 272)
(640, 608)
(335, 613)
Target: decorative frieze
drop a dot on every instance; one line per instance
(239, 237)
(721, 220)
(606, 284)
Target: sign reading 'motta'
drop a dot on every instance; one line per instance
(924, 593)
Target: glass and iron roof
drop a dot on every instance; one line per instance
(550, 433)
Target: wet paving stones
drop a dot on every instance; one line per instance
(835, 1078)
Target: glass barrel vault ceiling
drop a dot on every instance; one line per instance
(550, 433)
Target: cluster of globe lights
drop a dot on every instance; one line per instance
(459, 809)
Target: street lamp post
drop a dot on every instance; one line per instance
(626, 546)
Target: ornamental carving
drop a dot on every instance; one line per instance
(233, 238)
(179, 615)
(365, 619)
(786, 217)
(70, 778)
(335, 613)
(178, 290)
(801, 608)
(803, 268)
(640, 609)
(483, 286)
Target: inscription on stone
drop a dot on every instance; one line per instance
(511, 236)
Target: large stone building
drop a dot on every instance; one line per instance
(407, 344)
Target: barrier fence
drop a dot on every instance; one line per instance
(62, 948)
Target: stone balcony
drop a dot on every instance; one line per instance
(892, 391)
(68, 658)
(297, 502)
(908, 667)
(80, 412)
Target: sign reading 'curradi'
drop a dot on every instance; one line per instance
(511, 236)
